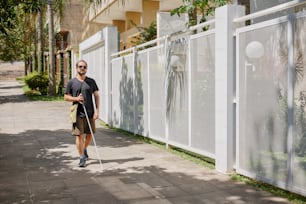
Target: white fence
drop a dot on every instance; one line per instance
(271, 107)
(150, 84)
(239, 99)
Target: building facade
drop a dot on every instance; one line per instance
(80, 21)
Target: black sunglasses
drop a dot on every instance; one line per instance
(85, 67)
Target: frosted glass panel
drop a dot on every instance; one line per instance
(176, 85)
(299, 138)
(203, 93)
(126, 94)
(157, 100)
(263, 102)
(142, 94)
(116, 105)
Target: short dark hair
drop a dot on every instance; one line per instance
(81, 60)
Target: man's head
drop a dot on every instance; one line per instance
(81, 67)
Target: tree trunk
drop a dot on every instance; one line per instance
(52, 81)
(192, 15)
(34, 40)
(39, 41)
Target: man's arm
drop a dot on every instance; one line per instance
(97, 102)
(68, 97)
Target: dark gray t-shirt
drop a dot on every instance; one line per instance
(87, 88)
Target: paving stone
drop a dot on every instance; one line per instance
(39, 164)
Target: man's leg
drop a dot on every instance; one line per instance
(79, 144)
(78, 131)
(88, 137)
(80, 147)
(87, 142)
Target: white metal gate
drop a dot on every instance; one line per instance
(271, 117)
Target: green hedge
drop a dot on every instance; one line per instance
(38, 81)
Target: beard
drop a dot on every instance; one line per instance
(81, 73)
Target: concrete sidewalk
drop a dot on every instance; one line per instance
(39, 164)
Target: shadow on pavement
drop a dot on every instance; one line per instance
(41, 166)
(13, 99)
(6, 95)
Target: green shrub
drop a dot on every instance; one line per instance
(37, 81)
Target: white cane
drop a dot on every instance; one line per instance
(93, 137)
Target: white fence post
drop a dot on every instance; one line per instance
(224, 86)
(111, 46)
(97, 51)
(135, 105)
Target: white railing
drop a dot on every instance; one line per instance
(271, 10)
(140, 73)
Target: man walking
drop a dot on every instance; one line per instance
(79, 91)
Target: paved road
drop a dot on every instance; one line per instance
(39, 164)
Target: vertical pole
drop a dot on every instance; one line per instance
(61, 65)
(167, 41)
(224, 86)
(135, 91)
(189, 72)
(111, 46)
(290, 99)
(149, 95)
(69, 64)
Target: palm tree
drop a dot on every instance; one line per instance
(40, 48)
(52, 82)
(59, 7)
(30, 14)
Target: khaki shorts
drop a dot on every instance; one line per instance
(81, 127)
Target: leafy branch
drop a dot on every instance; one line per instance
(195, 8)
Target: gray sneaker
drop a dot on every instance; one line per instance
(85, 154)
(82, 162)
